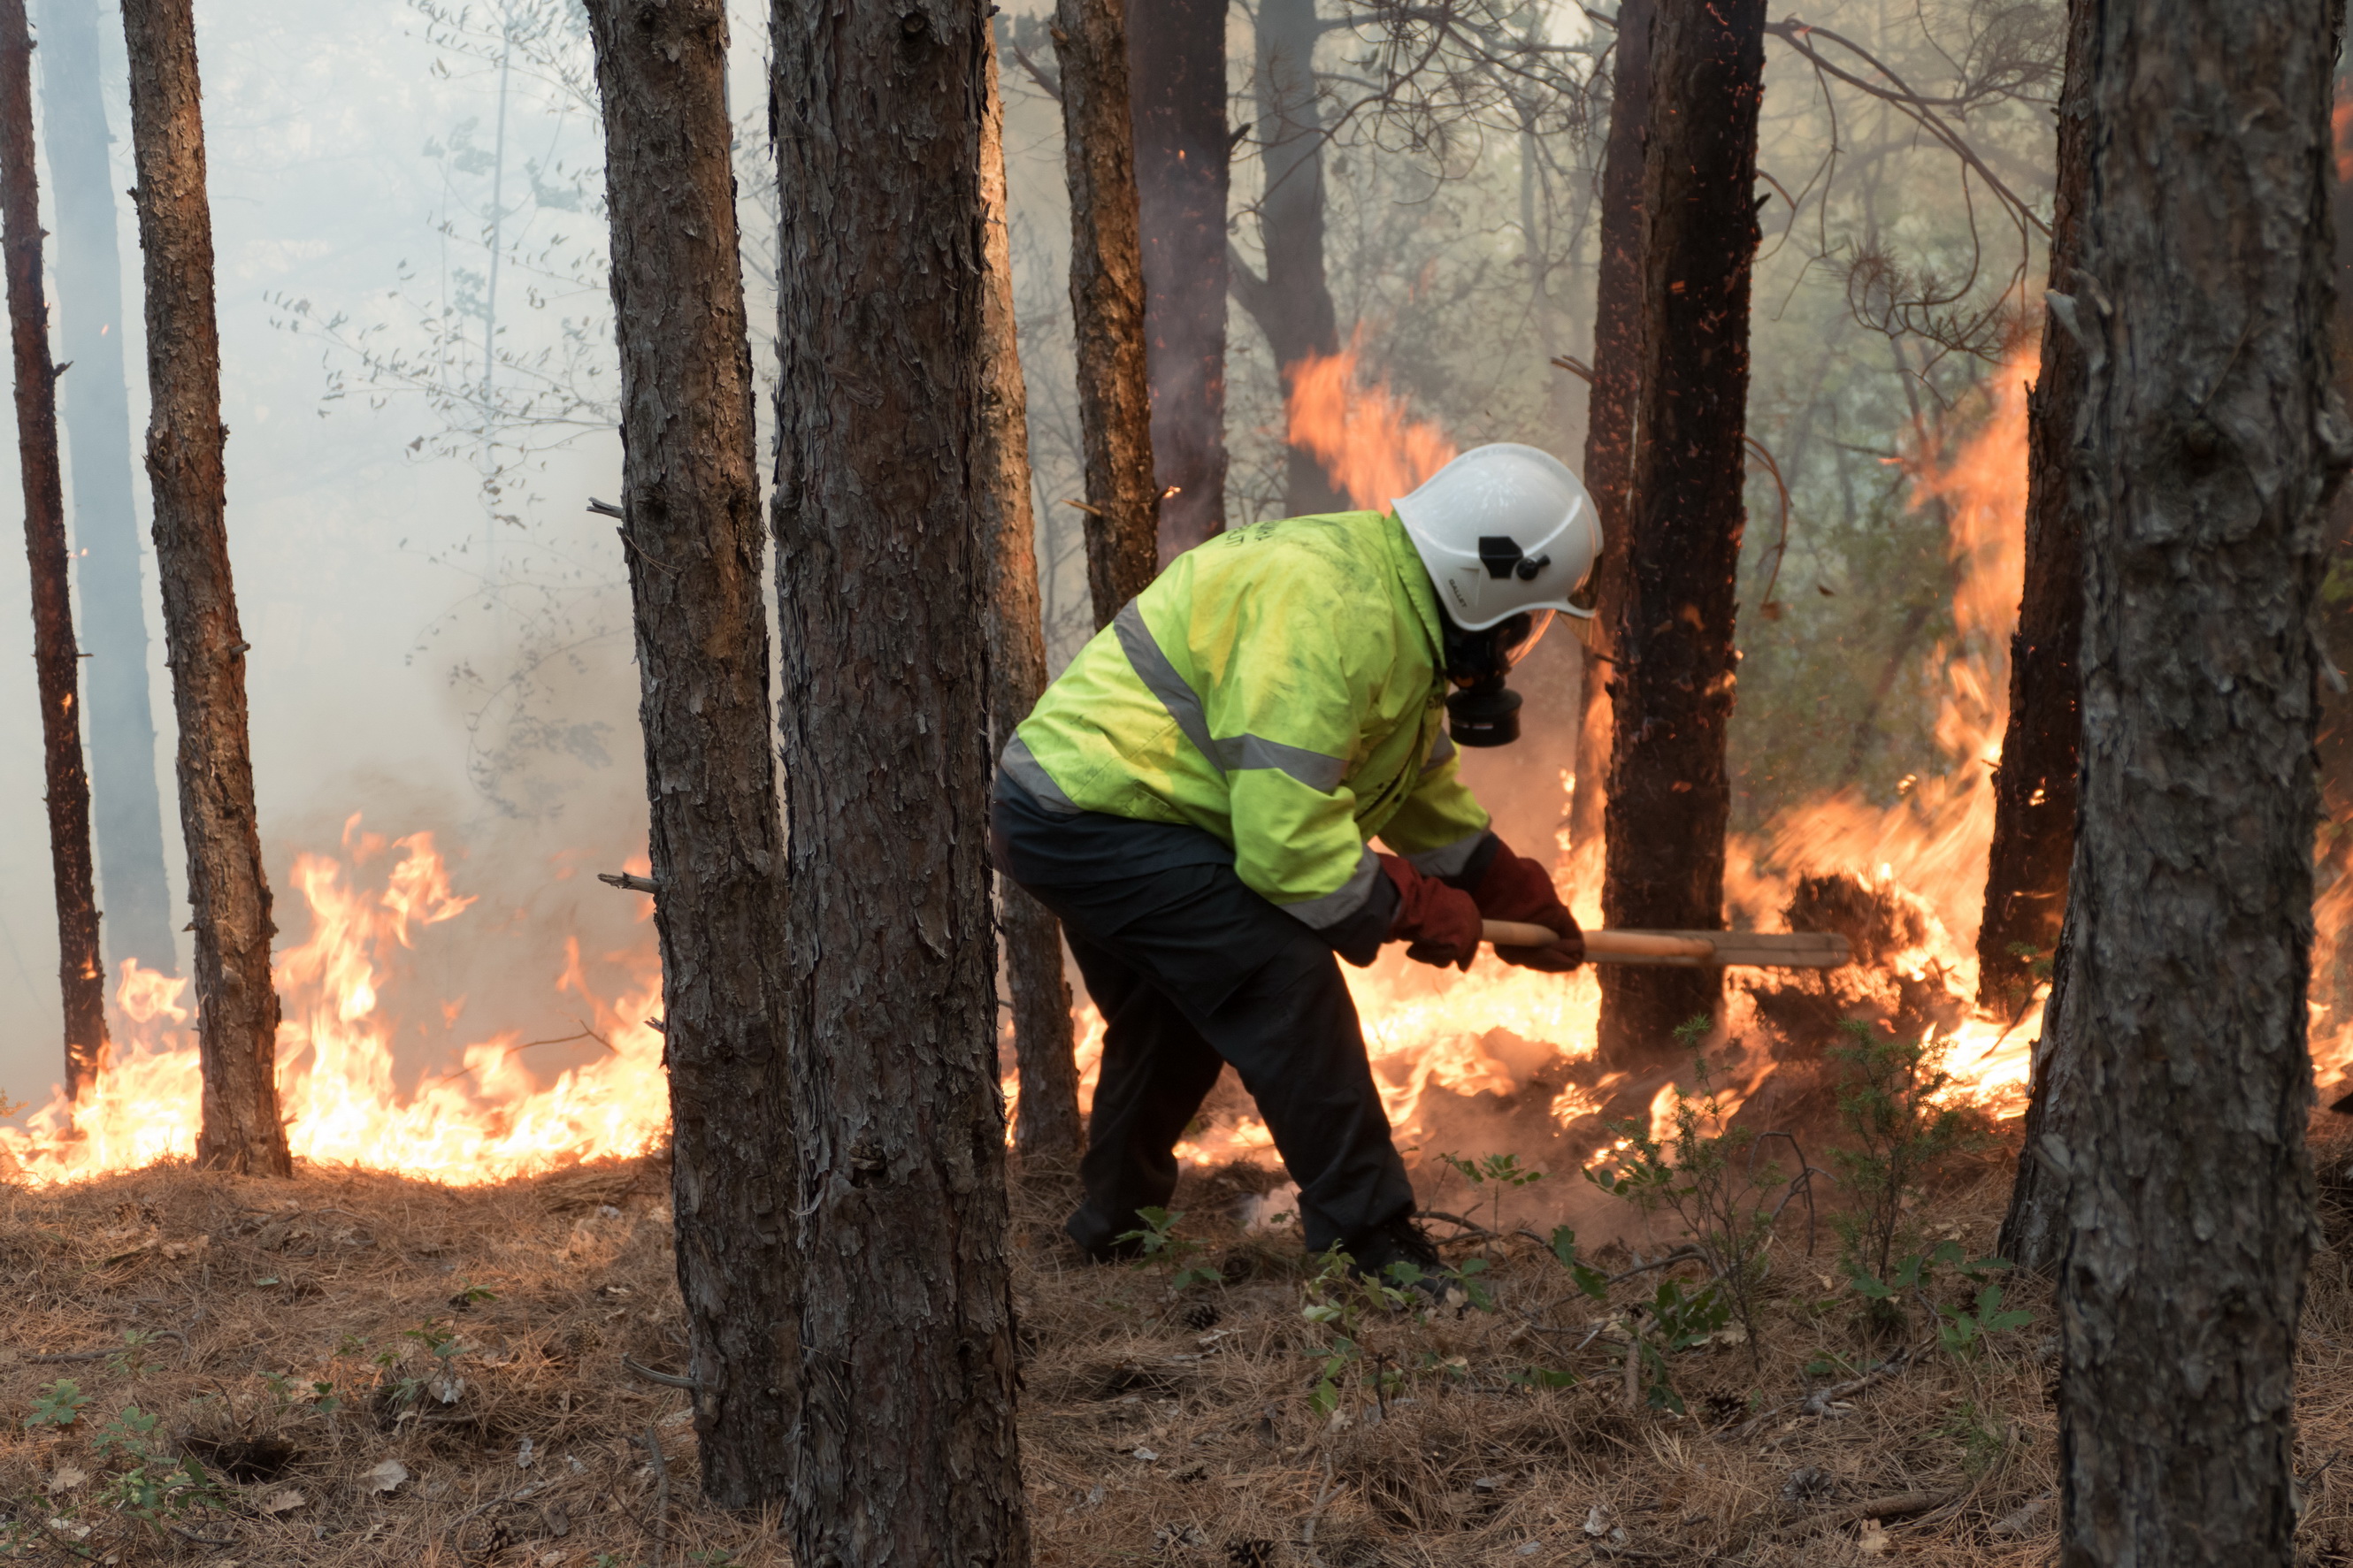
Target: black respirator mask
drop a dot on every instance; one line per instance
(1483, 711)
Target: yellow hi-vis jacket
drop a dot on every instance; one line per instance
(1280, 686)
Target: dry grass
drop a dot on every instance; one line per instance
(1174, 1430)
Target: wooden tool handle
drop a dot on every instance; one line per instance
(1599, 944)
(1691, 949)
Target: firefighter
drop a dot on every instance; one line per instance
(1197, 794)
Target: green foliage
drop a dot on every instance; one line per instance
(1961, 1332)
(320, 1395)
(1713, 1177)
(1983, 1441)
(58, 1404)
(151, 1486)
(1347, 1303)
(1159, 1242)
(1678, 1315)
(1492, 1177)
(133, 1359)
(1589, 1280)
(1900, 1138)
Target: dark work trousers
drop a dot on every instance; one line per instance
(1192, 970)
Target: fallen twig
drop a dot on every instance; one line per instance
(1307, 1527)
(1899, 1505)
(662, 1494)
(1820, 1401)
(1469, 1228)
(201, 1539)
(667, 1378)
(1787, 1515)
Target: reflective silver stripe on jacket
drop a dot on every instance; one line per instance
(1023, 768)
(1441, 753)
(1448, 859)
(1235, 753)
(1322, 914)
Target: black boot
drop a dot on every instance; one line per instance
(1399, 1240)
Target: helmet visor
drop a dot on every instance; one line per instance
(1517, 637)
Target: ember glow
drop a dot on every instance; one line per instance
(484, 1117)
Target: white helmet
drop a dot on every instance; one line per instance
(1503, 529)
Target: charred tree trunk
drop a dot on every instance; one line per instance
(694, 550)
(1047, 1128)
(904, 1443)
(1671, 690)
(95, 403)
(1292, 304)
(1177, 59)
(2208, 440)
(1609, 409)
(81, 968)
(1123, 509)
(229, 893)
(2034, 788)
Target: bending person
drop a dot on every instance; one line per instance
(1195, 797)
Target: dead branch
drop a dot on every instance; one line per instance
(626, 882)
(1820, 1401)
(1921, 110)
(1051, 86)
(667, 1380)
(662, 1494)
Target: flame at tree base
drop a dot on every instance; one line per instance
(487, 1119)
(1911, 874)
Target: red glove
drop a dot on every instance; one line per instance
(1515, 887)
(1441, 923)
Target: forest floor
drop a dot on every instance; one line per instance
(372, 1369)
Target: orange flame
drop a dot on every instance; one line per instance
(1493, 1027)
(488, 1118)
(2340, 126)
(1360, 434)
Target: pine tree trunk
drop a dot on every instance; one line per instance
(905, 1445)
(1292, 304)
(2208, 441)
(1669, 794)
(694, 549)
(1046, 1128)
(95, 403)
(81, 968)
(1177, 59)
(1122, 518)
(2034, 788)
(236, 1009)
(1610, 407)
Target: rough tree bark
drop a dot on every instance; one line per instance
(905, 1443)
(2208, 440)
(1610, 407)
(2034, 788)
(1292, 304)
(95, 403)
(1047, 1128)
(82, 967)
(1671, 690)
(692, 530)
(1177, 59)
(1122, 506)
(227, 890)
